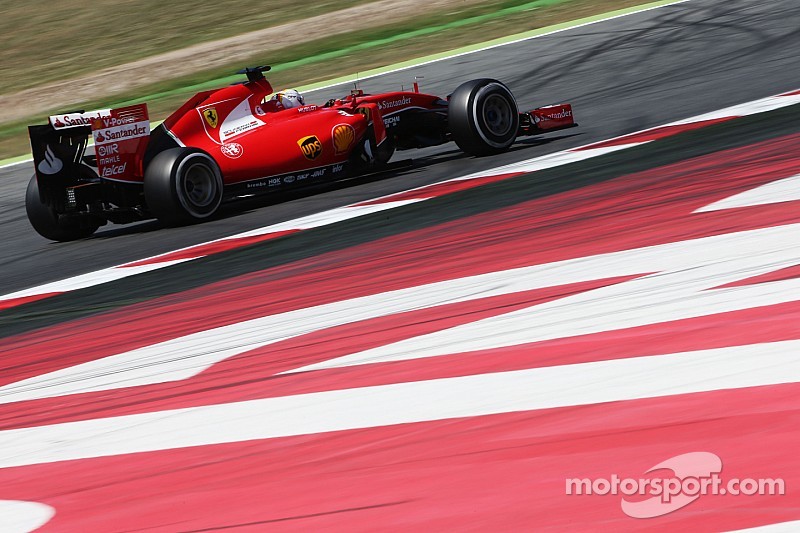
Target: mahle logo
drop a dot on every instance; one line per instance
(310, 146)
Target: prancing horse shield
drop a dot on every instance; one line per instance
(210, 115)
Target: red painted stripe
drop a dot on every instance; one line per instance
(503, 472)
(242, 377)
(14, 302)
(549, 229)
(252, 374)
(793, 93)
(656, 133)
(441, 189)
(211, 248)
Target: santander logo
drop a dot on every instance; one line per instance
(73, 120)
(51, 164)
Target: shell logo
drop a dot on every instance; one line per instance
(344, 135)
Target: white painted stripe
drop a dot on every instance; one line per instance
(88, 280)
(23, 517)
(763, 105)
(123, 271)
(685, 269)
(551, 160)
(325, 218)
(403, 403)
(15, 163)
(681, 288)
(784, 190)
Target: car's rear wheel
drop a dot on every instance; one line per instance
(483, 117)
(49, 224)
(182, 185)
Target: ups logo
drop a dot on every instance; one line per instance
(310, 146)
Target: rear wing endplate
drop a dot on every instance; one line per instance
(120, 137)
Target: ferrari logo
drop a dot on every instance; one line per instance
(210, 115)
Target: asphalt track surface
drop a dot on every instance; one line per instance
(622, 75)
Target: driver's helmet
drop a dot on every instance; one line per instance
(289, 98)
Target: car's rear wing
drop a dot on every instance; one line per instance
(120, 138)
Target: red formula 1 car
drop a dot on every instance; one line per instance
(234, 142)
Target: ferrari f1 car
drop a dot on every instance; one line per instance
(227, 143)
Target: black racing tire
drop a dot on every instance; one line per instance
(47, 223)
(182, 186)
(483, 117)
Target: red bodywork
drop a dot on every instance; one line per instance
(253, 140)
(257, 145)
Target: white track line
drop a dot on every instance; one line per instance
(785, 190)
(683, 271)
(23, 517)
(404, 403)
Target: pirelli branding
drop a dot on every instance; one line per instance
(310, 146)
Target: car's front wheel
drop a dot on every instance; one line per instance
(182, 185)
(49, 224)
(483, 117)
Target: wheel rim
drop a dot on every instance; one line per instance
(199, 185)
(498, 115)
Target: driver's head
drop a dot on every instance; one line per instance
(289, 98)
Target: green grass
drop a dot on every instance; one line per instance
(353, 52)
(365, 49)
(66, 38)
